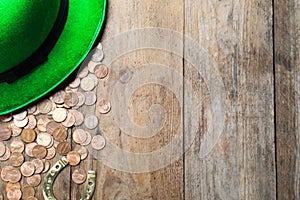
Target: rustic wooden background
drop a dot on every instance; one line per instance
(255, 45)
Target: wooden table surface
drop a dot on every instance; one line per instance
(210, 109)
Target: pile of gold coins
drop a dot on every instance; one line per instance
(32, 137)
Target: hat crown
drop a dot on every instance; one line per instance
(24, 26)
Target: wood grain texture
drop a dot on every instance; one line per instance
(287, 44)
(238, 36)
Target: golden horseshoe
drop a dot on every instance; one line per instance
(54, 171)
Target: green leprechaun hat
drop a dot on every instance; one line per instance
(41, 43)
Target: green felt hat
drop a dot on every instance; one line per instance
(41, 43)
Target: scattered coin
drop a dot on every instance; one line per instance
(34, 180)
(73, 158)
(79, 118)
(98, 142)
(75, 83)
(31, 198)
(71, 99)
(44, 139)
(91, 122)
(42, 123)
(22, 123)
(51, 126)
(60, 134)
(20, 116)
(82, 151)
(2, 149)
(14, 194)
(83, 73)
(6, 155)
(6, 118)
(90, 98)
(59, 114)
(59, 97)
(28, 149)
(31, 122)
(27, 191)
(10, 174)
(10, 185)
(98, 55)
(16, 146)
(50, 153)
(39, 151)
(27, 169)
(103, 106)
(16, 131)
(81, 99)
(31, 110)
(88, 139)
(16, 159)
(87, 84)
(101, 71)
(45, 106)
(47, 166)
(39, 165)
(69, 121)
(28, 135)
(63, 148)
(79, 136)
(5, 133)
(91, 66)
(79, 176)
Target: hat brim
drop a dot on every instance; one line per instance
(85, 19)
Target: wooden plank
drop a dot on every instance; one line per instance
(287, 44)
(237, 36)
(134, 179)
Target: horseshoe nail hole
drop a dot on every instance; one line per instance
(57, 166)
(90, 183)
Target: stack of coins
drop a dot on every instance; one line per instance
(30, 138)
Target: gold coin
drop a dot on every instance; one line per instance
(11, 174)
(60, 134)
(28, 135)
(22, 123)
(59, 114)
(73, 158)
(16, 159)
(5, 132)
(51, 126)
(16, 146)
(28, 191)
(34, 180)
(50, 153)
(101, 71)
(98, 142)
(91, 122)
(42, 124)
(103, 106)
(39, 151)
